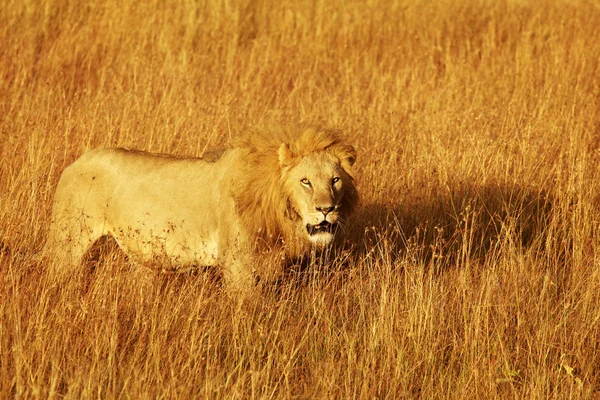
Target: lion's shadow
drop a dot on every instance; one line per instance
(467, 220)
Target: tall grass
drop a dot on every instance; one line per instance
(473, 263)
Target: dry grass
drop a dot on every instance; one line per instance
(476, 267)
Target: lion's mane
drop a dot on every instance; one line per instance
(262, 202)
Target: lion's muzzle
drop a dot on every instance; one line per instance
(323, 227)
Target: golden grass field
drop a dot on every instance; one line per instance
(473, 262)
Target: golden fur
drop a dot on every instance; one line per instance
(288, 189)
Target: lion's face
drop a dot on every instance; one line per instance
(316, 184)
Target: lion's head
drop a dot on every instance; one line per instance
(317, 186)
(298, 186)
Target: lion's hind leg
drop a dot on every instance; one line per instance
(69, 240)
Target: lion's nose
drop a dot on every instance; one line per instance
(325, 209)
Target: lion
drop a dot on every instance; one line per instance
(288, 190)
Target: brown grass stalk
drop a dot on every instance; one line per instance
(473, 268)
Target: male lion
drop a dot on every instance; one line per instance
(287, 190)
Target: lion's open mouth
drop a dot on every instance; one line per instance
(323, 227)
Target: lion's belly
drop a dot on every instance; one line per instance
(202, 251)
(169, 249)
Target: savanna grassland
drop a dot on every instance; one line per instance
(473, 262)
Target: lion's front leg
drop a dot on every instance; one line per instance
(236, 260)
(238, 273)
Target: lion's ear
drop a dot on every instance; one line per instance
(346, 154)
(286, 157)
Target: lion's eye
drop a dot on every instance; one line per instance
(305, 182)
(335, 180)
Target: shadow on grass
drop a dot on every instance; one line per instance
(467, 221)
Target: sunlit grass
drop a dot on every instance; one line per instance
(472, 268)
